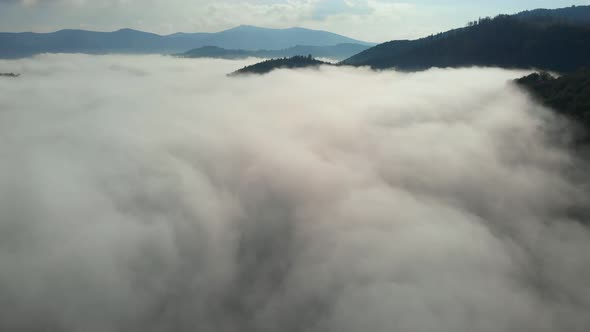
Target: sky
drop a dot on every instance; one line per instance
(369, 20)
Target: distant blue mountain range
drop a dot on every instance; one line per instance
(334, 52)
(128, 41)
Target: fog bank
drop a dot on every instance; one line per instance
(156, 194)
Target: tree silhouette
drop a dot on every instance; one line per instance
(267, 66)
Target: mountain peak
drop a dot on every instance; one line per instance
(245, 37)
(245, 27)
(128, 30)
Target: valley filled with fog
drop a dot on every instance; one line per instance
(152, 193)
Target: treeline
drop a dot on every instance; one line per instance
(568, 94)
(270, 65)
(338, 52)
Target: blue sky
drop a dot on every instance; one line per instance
(371, 20)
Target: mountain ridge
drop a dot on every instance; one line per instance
(580, 14)
(527, 40)
(130, 41)
(267, 66)
(336, 52)
(535, 39)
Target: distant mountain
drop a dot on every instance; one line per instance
(270, 65)
(519, 41)
(216, 52)
(247, 37)
(337, 52)
(15, 45)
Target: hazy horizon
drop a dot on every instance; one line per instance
(367, 20)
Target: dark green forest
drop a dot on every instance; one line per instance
(547, 43)
(270, 65)
(568, 94)
(573, 14)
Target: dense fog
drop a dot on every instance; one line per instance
(147, 193)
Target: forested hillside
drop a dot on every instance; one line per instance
(504, 41)
(568, 94)
(270, 65)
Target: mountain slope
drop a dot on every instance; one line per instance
(337, 52)
(15, 45)
(505, 41)
(573, 14)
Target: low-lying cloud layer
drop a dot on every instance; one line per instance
(156, 194)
